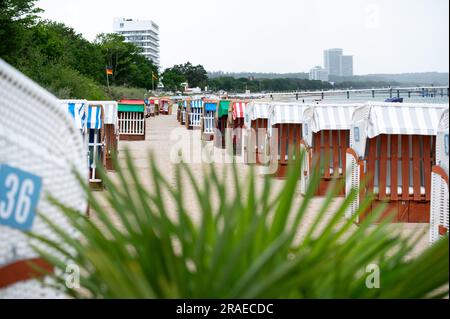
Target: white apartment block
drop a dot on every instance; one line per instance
(318, 73)
(142, 33)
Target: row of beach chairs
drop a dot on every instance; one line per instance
(398, 151)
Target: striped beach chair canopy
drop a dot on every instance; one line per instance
(197, 104)
(256, 110)
(210, 105)
(402, 118)
(373, 119)
(285, 113)
(333, 116)
(94, 117)
(238, 109)
(330, 116)
(77, 110)
(110, 109)
(223, 108)
(137, 106)
(132, 101)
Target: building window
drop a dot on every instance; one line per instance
(121, 25)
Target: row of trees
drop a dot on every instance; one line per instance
(61, 60)
(174, 77)
(196, 76)
(241, 84)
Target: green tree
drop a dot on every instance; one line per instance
(130, 68)
(61, 60)
(196, 76)
(15, 17)
(231, 84)
(172, 79)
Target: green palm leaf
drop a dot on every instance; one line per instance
(248, 242)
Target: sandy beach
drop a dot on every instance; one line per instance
(163, 133)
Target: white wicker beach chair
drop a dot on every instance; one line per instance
(37, 136)
(439, 207)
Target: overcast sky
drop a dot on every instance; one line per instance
(384, 36)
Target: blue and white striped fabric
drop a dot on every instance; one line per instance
(77, 109)
(94, 118)
(197, 104)
(110, 109)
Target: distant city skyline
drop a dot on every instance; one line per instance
(282, 37)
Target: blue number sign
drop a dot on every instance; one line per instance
(19, 195)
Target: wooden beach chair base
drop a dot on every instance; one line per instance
(325, 185)
(281, 172)
(409, 211)
(131, 137)
(109, 164)
(96, 185)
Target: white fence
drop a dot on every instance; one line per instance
(208, 126)
(96, 148)
(131, 123)
(195, 117)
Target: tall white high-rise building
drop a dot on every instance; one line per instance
(332, 61)
(336, 63)
(346, 65)
(142, 33)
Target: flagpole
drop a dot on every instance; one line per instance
(153, 81)
(107, 76)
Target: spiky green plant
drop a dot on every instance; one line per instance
(242, 247)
